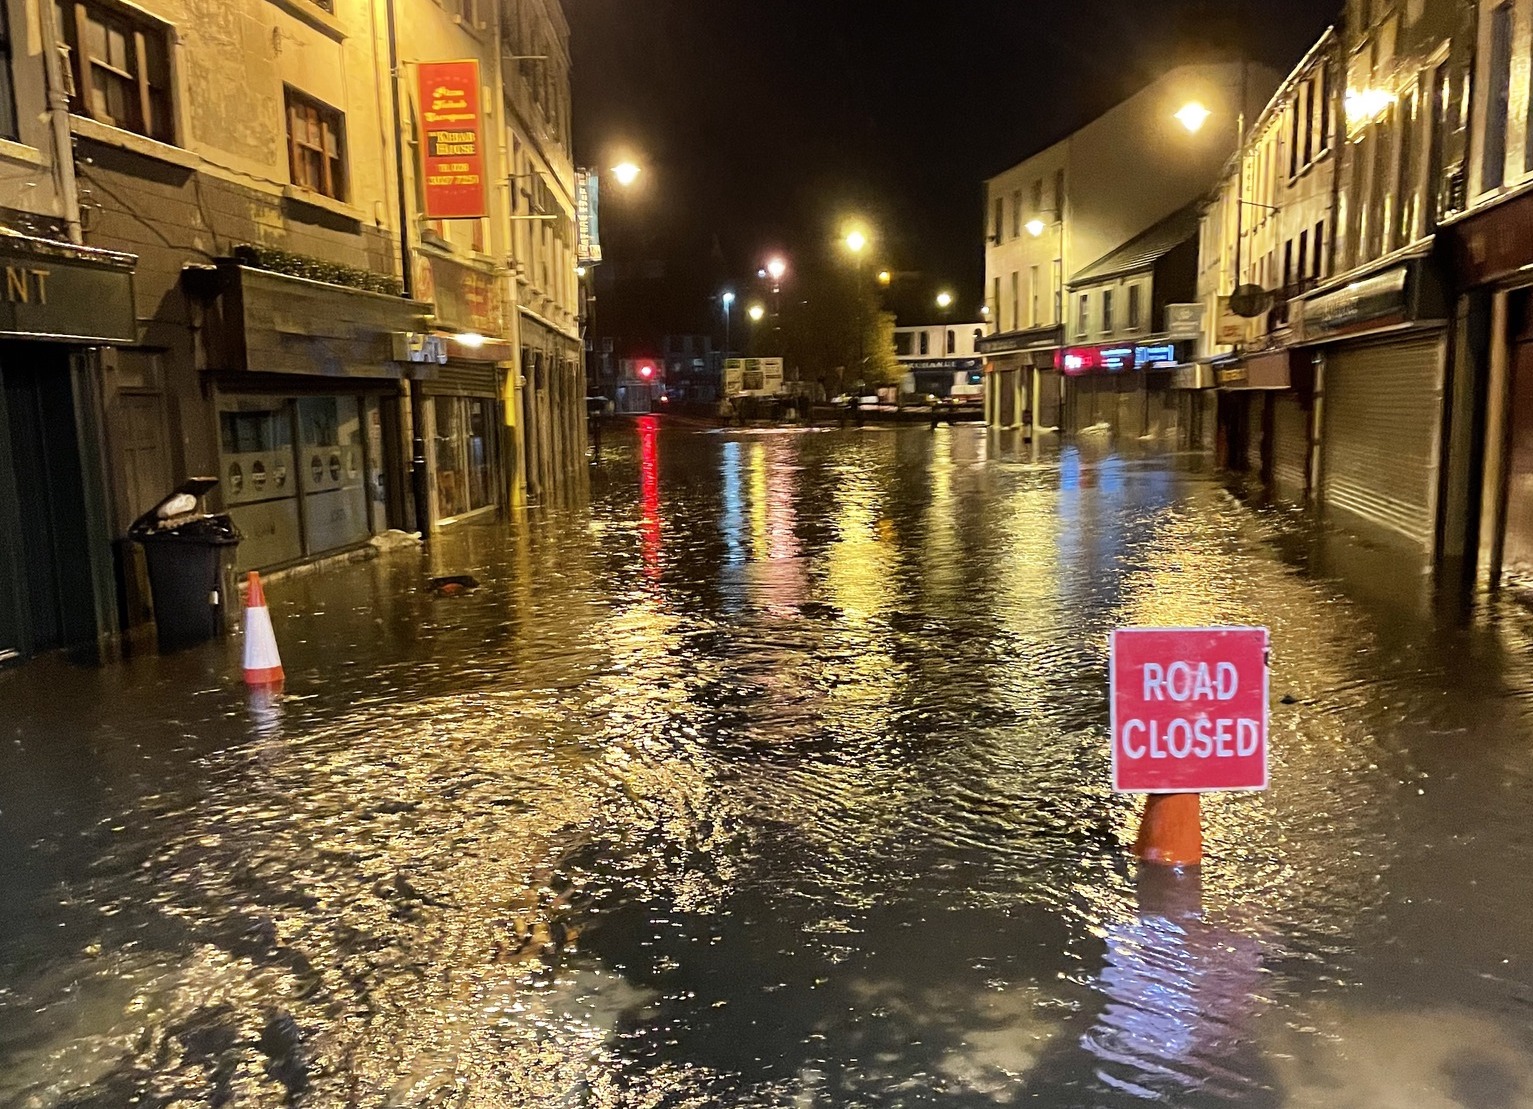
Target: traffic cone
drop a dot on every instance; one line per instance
(263, 665)
(1171, 833)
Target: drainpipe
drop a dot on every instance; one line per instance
(418, 484)
(58, 113)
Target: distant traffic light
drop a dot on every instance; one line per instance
(646, 371)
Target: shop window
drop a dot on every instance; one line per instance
(316, 146)
(120, 59)
(464, 470)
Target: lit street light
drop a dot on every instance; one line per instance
(728, 300)
(885, 277)
(856, 242)
(757, 313)
(1193, 116)
(775, 269)
(626, 173)
(1035, 227)
(944, 300)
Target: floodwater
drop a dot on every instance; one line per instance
(777, 776)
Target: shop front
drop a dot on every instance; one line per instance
(311, 413)
(1123, 389)
(467, 422)
(1022, 387)
(1381, 341)
(59, 304)
(554, 404)
(1265, 410)
(1196, 403)
(1488, 509)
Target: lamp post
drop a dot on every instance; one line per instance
(728, 301)
(856, 243)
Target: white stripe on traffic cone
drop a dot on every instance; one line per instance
(263, 665)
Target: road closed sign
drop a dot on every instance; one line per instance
(1189, 710)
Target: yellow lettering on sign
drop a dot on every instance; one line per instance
(42, 284)
(17, 289)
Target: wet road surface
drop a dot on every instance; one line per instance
(777, 776)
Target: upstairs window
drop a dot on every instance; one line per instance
(1135, 308)
(316, 146)
(120, 61)
(7, 87)
(1107, 311)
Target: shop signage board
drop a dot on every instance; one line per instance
(452, 151)
(1185, 321)
(58, 294)
(1189, 710)
(1363, 305)
(753, 377)
(588, 217)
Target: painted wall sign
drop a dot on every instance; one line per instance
(452, 147)
(1189, 710)
(1185, 321)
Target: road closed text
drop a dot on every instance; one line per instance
(1189, 710)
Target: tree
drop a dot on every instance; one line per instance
(835, 332)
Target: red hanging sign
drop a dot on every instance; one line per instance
(452, 148)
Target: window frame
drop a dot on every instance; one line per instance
(1083, 320)
(1135, 308)
(151, 101)
(1107, 311)
(335, 171)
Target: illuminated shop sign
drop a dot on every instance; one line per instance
(1083, 360)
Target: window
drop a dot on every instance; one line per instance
(1135, 308)
(1083, 321)
(1016, 213)
(121, 67)
(316, 146)
(952, 342)
(1038, 196)
(1016, 300)
(1319, 264)
(1323, 111)
(1442, 97)
(1409, 188)
(1032, 315)
(1306, 108)
(926, 340)
(7, 89)
(1107, 321)
(1296, 132)
(1498, 101)
(995, 304)
(1301, 267)
(903, 344)
(1000, 219)
(1059, 195)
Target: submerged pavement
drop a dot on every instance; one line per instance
(778, 776)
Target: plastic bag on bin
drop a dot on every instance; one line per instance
(176, 518)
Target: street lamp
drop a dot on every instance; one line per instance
(757, 313)
(728, 300)
(1193, 116)
(856, 242)
(885, 278)
(626, 173)
(775, 269)
(1036, 227)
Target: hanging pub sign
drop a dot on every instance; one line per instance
(588, 217)
(452, 146)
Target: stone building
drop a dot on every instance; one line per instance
(301, 330)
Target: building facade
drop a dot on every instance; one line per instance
(1077, 202)
(302, 330)
(941, 361)
(1271, 223)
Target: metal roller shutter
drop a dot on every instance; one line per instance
(1256, 420)
(462, 379)
(1290, 447)
(1383, 409)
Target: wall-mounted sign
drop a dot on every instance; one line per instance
(588, 217)
(1232, 329)
(420, 349)
(753, 377)
(1373, 302)
(452, 141)
(1185, 321)
(467, 299)
(55, 292)
(1155, 356)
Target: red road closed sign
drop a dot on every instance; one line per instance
(1189, 710)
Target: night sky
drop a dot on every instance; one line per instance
(763, 124)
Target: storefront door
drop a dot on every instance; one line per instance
(331, 472)
(47, 595)
(1517, 552)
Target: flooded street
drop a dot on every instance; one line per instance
(777, 776)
